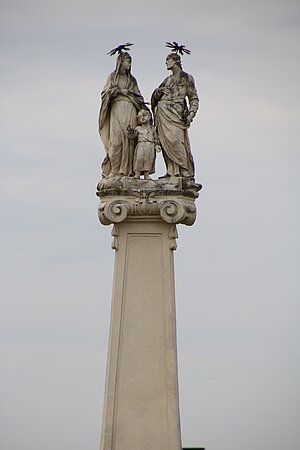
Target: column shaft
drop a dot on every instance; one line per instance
(141, 408)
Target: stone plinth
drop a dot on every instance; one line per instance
(141, 409)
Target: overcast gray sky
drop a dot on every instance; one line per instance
(236, 269)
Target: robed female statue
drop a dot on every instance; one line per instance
(121, 101)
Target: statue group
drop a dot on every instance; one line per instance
(125, 122)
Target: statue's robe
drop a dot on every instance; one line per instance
(170, 113)
(145, 153)
(116, 113)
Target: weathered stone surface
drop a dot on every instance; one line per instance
(127, 185)
(120, 102)
(147, 145)
(130, 150)
(141, 404)
(172, 199)
(173, 116)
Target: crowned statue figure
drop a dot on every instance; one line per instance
(173, 116)
(121, 101)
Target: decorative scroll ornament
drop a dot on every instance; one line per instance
(171, 210)
(113, 212)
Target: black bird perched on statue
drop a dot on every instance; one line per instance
(176, 48)
(120, 49)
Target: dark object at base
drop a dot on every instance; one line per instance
(164, 176)
(193, 448)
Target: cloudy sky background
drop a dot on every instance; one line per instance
(236, 268)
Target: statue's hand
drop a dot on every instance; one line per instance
(124, 91)
(158, 148)
(131, 132)
(190, 118)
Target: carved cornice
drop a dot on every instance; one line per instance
(172, 200)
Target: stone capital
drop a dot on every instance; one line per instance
(172, 200)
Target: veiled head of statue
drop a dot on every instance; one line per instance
(124, 59)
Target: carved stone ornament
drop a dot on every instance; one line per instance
(131, 148)
(169, 200)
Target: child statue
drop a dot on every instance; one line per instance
(148, 143)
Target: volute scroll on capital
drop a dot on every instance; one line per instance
(173, 210)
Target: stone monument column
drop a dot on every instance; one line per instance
(141, 405)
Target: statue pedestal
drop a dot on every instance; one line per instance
(141, 408)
